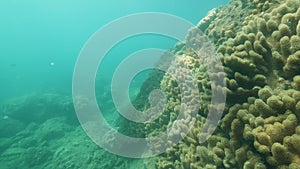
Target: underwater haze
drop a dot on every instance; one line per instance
(223, 91)
(40, 40)
(39, 43)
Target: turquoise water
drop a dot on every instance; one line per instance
(36, 33)
(39, 43)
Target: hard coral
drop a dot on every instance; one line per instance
(258, 43)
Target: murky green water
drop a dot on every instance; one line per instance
(39, 44)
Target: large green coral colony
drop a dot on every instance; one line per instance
(259, 45)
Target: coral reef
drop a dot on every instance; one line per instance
(258, 43)
(41, 131)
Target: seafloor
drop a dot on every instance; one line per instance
(258, 43)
